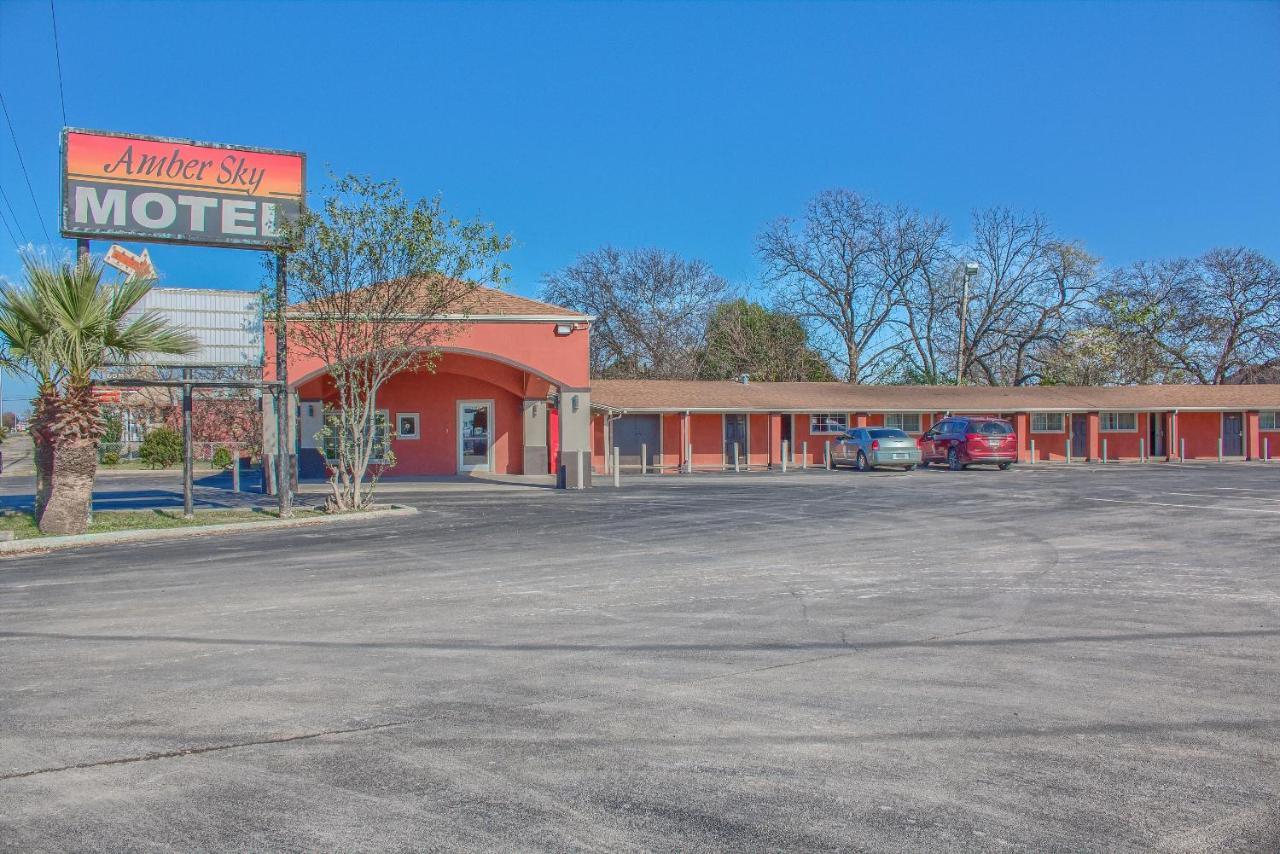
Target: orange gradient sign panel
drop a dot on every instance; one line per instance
(178, 191)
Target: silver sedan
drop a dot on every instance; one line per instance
(866, 448)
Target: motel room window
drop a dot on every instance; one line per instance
(907, 422)
(1119, 422)
(406, 425)
(829, 422)
(381, 429)
(1047, 422)
(1267, 421)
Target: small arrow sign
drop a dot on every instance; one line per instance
(133, 266)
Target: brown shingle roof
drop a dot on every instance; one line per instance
(720, 395)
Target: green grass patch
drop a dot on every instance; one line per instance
(23, 524)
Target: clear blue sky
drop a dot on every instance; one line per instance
(1146, 130)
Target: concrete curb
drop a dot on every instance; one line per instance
(37, 545)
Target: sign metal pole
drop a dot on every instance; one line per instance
(188, 462)
(283, 479)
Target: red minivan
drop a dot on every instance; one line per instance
(961, 441)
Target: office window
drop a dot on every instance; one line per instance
(908, 422)
(381, 427)
(1267, 421)
(1119, 422)
(829, 422)
(1046, 422)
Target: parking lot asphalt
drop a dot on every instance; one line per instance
(1044, 659)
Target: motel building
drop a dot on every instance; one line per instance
(511, 394)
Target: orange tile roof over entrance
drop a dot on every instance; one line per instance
(477, 301)
(493, 302)
(728, 395)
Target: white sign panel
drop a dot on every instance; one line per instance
(228, 325)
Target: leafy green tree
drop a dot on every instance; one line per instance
(60, 328)
(744, 337)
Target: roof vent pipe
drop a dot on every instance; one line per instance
(744, 378)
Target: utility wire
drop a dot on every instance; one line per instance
(5, 221)
(12, 213)
(25, 174)
(57, 53)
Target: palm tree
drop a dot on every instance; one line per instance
(62, 328)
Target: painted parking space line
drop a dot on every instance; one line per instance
(1185, 506)
(1211, 495)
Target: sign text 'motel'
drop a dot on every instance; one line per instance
(155, 189)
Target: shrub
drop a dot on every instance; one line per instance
(160, 448)
(110, 458)
(222, 459)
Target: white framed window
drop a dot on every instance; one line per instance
(1119, 422)
(381, 430)
(1047, 422)
(1267, 421)
(406, 425)
(907, 422)
(829, 422)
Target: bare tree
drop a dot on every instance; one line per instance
(651, 309)
(1031, 291)
(844, 270)
(372, 276)
(1205, 319)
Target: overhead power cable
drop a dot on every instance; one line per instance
(25, 174)
(12, 214)
(57, 54)
(5, 220)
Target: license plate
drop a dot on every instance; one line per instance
(995, 443)
(899, 456)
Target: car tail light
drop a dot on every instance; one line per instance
(974, 437)
(875, 444)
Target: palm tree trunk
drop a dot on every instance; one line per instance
(44, 412)
(74, 466)
(74, 429)
(43, 458)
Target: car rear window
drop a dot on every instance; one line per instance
(888, 434)
(991, 428)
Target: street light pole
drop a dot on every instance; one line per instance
(970, 270)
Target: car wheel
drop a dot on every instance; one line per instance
(953, 460)
(909, 468)
(862, 463)
(1005, 466)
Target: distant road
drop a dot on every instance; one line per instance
(18, 457)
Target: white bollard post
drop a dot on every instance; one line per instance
(581, 465)
(617, 470)
(784, 455)
(1033, 451)
(688, 458)
(826, 455)
(1182, 450)
(804, 455)
(1068, 454)
(1104, 451)
(735, 457)
(1219, 449)
(644, 458)
(1266, 450)
(1142, 450)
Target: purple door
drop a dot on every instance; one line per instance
(1233, 434)
(1080, 436)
